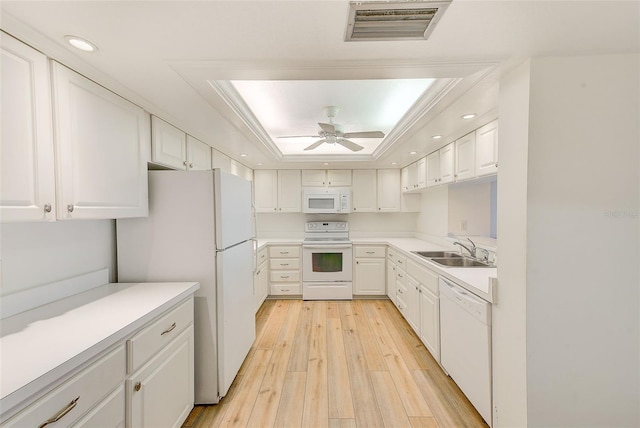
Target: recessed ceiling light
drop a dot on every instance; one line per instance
(243, 155)
(259, 164)
(413, 153)
(326, 163)
(437, 137)
(469, 116)
(394, 163)
(80, 43)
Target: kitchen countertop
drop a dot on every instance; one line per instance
(46, 344)
(477, 280)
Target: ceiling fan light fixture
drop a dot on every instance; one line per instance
(394, 20)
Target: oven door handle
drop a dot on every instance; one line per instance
(327, 246)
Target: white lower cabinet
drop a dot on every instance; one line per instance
(369, 270)
(392, 289)
(78, 395)
(412, 312)
(161, 393)
(285, 275)
(109, 413)
(430, 321)
(261, 278)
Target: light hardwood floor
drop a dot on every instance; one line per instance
(337, 364)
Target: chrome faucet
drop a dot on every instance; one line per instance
(472, 250)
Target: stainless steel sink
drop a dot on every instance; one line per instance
(459, 262)
(432, 254)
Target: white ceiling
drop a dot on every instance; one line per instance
(163, 56)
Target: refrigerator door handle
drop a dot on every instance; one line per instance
(255, 254)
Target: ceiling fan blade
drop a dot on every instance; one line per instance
(299, 136)
(365, 134)
(327, 127)
(316, 144)
(349, 144)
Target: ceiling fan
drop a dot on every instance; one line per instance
(331, 133)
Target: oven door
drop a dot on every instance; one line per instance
(327, 262)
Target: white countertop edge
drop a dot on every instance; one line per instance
(22, 396)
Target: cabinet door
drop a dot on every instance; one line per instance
(430, 322)
(487, 149)
(110, 412)
(447, 163)
(168, 144)
(314, 177)
(388, 190)
(161, 393)
(433, 169)
(404, 179)
(369, 276)
(266, 190)
(261, 285)
(364, 190)
(392, 290)
(27, 180)
(198, 154)
(339, 177)
(289, 191)
(413, 176)
(421, 173)
(220, 160)
(412, 301)
(102, 143)
(465, 157)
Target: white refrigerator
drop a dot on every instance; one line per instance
(200, 228)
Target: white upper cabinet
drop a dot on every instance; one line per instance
(487, 149)
(198, 154)
(102, 146)
(27, 189)
(364, 198)
(289, 191)
(414, 176)
(220, 160)
(447, 163)
(388, 190)
(404, 178)
(173, 148)
(168, 144)
(339, 177)
(465, 157)
(322, 178)
(277, 191)
(433, 169)
(421, 174)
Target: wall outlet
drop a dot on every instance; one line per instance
(463, 225)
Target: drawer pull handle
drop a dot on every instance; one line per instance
(370, 252)
(284, 276)
(284, 264)
(137, 386)
(61, 413)
(284, 290)
(284, 252)
(169, 330)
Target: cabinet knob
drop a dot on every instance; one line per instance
(190, 165)
(354, 208)
(496, 164)
(137, 386)
(279, 209)
(379, 209)
(275, 209)
(184, 163)
(70, 208)
(47, 208)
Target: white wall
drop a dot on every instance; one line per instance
(470, 203)
(583, 326)
(291, 225)
(433, 219)
(509, 311)
(43, 252)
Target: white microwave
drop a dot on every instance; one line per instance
(320, 200)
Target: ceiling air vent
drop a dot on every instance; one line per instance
(405, 20)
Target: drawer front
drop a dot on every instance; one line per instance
(285, 276)
(110, 412)
(369, 251)
(79, 394)
(401, 261)
(262, 255)
(286, 251)
(285, 289)
(158, 334)
(392, 254)
(423, 275)
(286, 264)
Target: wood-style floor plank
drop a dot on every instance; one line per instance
(311, 358)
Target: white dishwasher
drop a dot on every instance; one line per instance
(465, 343)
